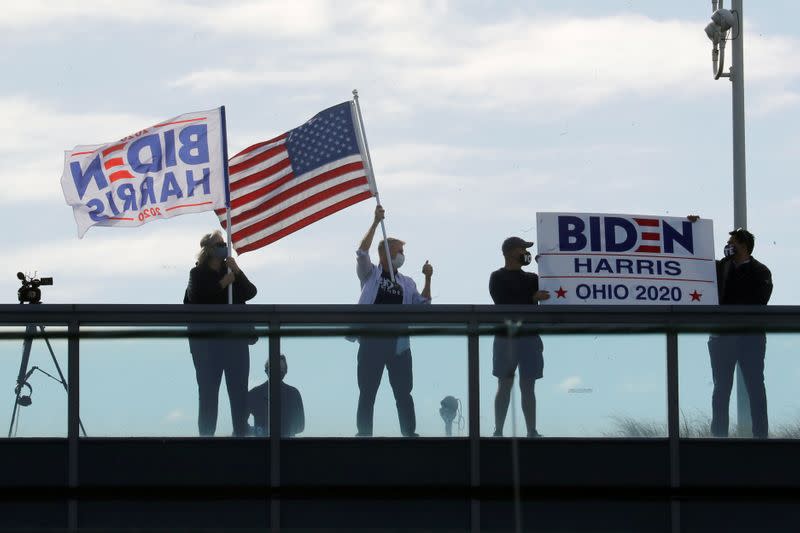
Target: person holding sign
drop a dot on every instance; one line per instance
(741, 280)
(208, 284)
(383, 284)
(510, 285)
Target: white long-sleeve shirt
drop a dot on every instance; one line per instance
(369, 276)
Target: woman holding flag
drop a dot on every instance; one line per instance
(209, 282)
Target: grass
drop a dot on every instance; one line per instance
(693, 427)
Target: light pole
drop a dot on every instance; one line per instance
(724, 22)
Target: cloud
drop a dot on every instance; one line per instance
(553, 64)
(273, 19)
(492, 66)
(30, 128)
(176, 415)
(770, 102)
(569, 383)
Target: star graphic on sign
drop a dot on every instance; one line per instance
(696, 295)
(561, 293)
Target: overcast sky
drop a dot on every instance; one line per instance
(479, 114)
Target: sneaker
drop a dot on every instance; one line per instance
(533, 434)
(497, 434)
(411, 434)
(359, 434)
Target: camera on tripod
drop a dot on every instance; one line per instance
(30, 291)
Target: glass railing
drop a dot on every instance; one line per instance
(32, 366)
(159, 371)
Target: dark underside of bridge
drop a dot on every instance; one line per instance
(399, 485)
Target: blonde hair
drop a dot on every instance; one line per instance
(392, 241)
(206, 248)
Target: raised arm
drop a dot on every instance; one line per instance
(427, 271)
(366, 242)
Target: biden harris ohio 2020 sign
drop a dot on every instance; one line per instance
(169, 169)
(626, 259)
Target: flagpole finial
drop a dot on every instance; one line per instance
(355, 93)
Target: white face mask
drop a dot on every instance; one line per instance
(398, 260)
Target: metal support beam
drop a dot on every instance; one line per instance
(73, 418)
(474, 403)
(673, 427)
(275, 380)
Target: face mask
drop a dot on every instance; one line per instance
(398, 260)
(221, 251)
(730, 250)
(525, 258)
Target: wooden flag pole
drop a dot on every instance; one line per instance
(371, 176)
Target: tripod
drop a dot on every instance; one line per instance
(21, 399)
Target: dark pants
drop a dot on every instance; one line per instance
(212, 358)
(373, 356)
(748, 351)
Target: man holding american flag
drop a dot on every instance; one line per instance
(383, 284)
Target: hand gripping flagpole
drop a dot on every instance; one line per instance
(371, 176)
(227, 192)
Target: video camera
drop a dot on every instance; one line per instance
(30, 291)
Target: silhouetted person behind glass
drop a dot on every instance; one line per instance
(208, 284)
(293, 417)
(741, 280)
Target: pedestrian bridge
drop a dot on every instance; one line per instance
(659, 474)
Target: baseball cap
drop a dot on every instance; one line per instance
(515, 242)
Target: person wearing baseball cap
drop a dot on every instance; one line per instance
(741, 280)
(510, 285)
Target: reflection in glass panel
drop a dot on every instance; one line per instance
(400, 393)
(592, 386)
(39, 406)
(781, 370)
(149, 381)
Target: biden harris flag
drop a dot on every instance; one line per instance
(626, 259)
(175, 167)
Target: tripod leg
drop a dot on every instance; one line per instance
(23, 370)
(58, 369)
(13, 416)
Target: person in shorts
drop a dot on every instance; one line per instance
(510, 285)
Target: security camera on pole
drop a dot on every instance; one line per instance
(724, 21)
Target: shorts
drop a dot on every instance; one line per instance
(526, 352)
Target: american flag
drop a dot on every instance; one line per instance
(284, 184)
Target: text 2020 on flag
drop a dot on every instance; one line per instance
(284, 184)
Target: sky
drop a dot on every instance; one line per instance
(478, 114)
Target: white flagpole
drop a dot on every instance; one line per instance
(371, 176)
(227, 192)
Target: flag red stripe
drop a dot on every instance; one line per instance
(297, 189)
(113, 162)
(82, 153)
(260, 175)
(258, 193)
(112, 149)
(256, 159)
(322, 213)
(649, 249)
(646, 222)
(179, 122)
(651, 236)
(259, 145)
(120, 175)
(188, 205)
(298, 207)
